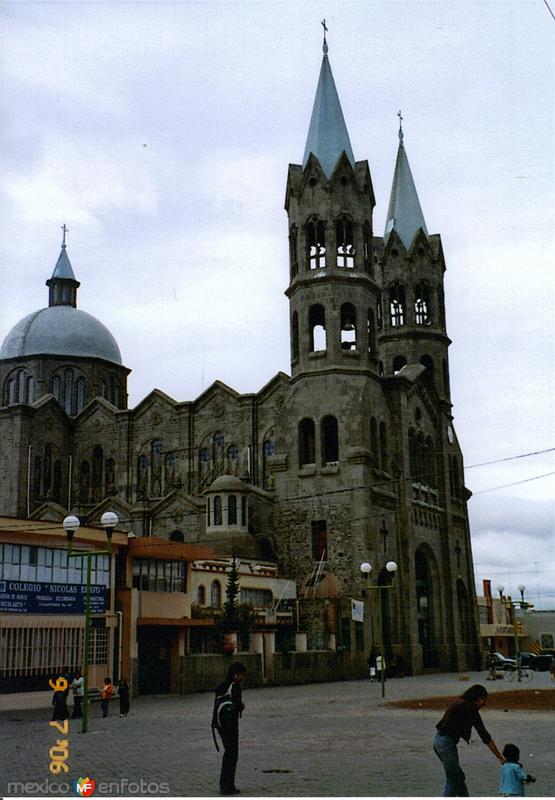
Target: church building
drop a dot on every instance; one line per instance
(351, 459)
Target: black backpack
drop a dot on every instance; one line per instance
(224, 708)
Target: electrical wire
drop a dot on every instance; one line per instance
(515, 483)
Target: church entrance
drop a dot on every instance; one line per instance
(154, 650)
(424, 608)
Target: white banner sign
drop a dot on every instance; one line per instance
(357, 610)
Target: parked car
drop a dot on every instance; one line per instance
(502, 662)
(539, 663)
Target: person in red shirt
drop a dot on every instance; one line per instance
(456, 724)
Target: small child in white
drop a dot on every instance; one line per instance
(513, 775)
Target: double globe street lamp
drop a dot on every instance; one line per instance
(366, 569)
(108, 520)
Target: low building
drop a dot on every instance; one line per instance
(42, 603)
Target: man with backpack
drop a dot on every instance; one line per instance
(228, 707)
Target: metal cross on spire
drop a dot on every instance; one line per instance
(65, 230)
(325, 27)
(400, 126)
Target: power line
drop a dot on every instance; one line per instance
(548, 8)
(511, 458)
(515, 483)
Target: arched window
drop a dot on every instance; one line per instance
(293, 257)
(383, 447)
(397, 305)
(216, 595)
(380, 368)
(316, 243)
(307, 441)
(379, 317)
(344, 243)
(398, 363)
(68, 391)
(47, 475)
(177, 536)
(29, 389)
(317, 328)
(330, 440)
(9, 392)
(374, 443)
(97, 473)
(156, 458)
(217, 510)
(57, 388)
(84, 481)
(201, 595)
(110, 478)
(348, 327)
(232, 510)
(422, 315)
(244, 519)
(367, 244)
(294, 336)
(80, 394)
(142, 476)
(37, 479)
(371, 331)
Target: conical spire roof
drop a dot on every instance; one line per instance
(63, 268)
(327, 135)
(404, 214)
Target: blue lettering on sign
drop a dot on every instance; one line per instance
(49, 598)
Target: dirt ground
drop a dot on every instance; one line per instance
(523, 699)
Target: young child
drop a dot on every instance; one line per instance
(513, 775)
(105, 693)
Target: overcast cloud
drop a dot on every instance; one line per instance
(161, 134)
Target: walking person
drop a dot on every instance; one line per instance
(456, 724)
(123, 694)
(513, 775)
(228, 707)
(77, 685)
(105, 694)
(372, 664)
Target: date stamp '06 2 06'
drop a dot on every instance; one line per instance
(59, 753)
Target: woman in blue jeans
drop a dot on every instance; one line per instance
(456, 724)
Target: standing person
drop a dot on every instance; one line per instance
(77, 686)
(513, 775)
(59, 705)
(228, 707)
(456, 724)
(105, 693)
(380, 667)
(123, 694)
(552, 668)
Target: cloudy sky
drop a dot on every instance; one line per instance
(160, 133)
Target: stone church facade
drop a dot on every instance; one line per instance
(353, 458)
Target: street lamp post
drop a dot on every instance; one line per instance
(512, 605)
(109, 520)
(366, 569)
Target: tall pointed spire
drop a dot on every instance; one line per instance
(63, 284)
(327, 134)
(404, 214)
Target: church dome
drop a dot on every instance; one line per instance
(227, 483)
(60, 330)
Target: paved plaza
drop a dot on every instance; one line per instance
(333, 739)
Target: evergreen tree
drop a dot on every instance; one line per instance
(230, 617)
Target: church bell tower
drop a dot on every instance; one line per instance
(332, 291)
